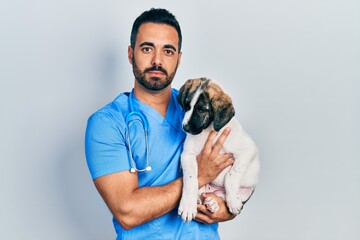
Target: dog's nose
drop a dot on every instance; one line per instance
(186, 127)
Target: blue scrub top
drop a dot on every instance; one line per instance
(107, 152)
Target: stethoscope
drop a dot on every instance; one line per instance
(146, 130)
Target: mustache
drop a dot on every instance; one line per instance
(156, 68)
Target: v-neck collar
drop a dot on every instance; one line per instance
(170, 118)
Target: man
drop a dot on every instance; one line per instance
(144, 203)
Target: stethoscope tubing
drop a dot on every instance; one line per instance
(146, 131)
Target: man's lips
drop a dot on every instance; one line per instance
(156, 72)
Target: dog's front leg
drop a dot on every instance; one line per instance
(188, 204)
(232, 186)
(236, 192)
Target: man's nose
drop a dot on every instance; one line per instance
(157, 58)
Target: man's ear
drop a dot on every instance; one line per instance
(130, 54)
(179, 60)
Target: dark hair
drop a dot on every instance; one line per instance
(155, 15)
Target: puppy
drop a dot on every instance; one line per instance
(207, 107)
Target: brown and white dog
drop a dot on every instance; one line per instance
(207, 107)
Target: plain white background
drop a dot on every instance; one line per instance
(292, 68)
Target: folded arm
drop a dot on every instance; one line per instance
(132, 205)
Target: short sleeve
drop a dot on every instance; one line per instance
(105, 147)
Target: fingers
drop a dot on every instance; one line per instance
(210, 161)
(220, 141)
(211, 194)
(210, 147)
(223, 214)
(225, 160)
(203, 215)
(209, 142)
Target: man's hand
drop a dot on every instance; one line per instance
(205, 216)
(210, 161)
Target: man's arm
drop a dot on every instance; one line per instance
(132, 206)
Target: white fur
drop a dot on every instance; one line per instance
(244, 173)
(193, 101)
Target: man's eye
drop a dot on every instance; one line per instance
(169, 52)
(146, 49)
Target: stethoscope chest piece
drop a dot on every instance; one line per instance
(147, 169)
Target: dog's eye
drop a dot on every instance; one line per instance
(201, 109)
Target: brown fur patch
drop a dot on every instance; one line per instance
(217, 94)
(221, 104)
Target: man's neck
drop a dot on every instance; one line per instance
(158, 100)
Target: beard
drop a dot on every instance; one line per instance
(153, 83)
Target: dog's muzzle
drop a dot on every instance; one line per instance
(186, 128)
(192, 129)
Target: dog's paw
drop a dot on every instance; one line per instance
(234, 203)
(187, 209)
(211, 204)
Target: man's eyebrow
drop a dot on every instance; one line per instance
(147, 44)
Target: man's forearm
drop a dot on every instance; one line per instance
(147, 203)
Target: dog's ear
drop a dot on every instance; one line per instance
(221, 104)
(187, 91)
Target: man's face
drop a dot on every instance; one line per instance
(156, 56)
